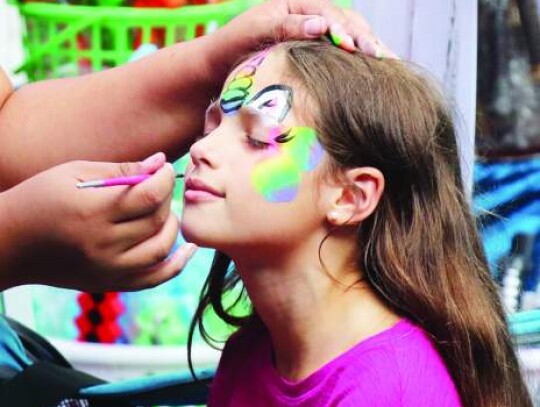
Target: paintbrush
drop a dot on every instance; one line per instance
(111, 182)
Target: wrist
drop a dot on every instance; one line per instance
(220, 60)
(223, 50)
(215, 62)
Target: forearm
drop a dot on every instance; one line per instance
(154, 104)
(11, 244)
(126, 113)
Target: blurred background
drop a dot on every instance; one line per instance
(485, 53)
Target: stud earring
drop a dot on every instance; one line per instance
(333, 216)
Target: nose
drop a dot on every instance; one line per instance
(199, 152)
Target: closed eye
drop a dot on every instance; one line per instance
(256, 144)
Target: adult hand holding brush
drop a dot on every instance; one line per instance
(117, 238)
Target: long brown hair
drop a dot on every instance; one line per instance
(420, 250)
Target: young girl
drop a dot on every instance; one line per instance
(332, 182)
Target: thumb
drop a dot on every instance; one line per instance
(299, 27)
(148, 166)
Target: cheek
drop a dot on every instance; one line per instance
(278, 177)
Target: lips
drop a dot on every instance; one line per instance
(196, 188)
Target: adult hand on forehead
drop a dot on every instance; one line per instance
(281, 20)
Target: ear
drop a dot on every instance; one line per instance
(357, 198)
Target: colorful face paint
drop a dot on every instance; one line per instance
(336, 39)
(274, 101)
(291, 152)
(296, 151)
(239, 89)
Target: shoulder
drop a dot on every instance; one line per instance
(240, 362)
(399, 367)
(241, 350)
(424, 377)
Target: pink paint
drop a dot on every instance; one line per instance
(273, 134)
(132, 180)
(112, 182)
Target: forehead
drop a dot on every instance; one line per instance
(265, 68)
(263, 71)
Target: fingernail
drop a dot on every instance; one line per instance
(314, 26)
(348, 43)
(336, 34)
(340, 39)
(343, 41)
(152, 159)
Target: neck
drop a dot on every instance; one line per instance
(313, 313)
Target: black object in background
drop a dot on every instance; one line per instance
(508, 92)
(517, 268)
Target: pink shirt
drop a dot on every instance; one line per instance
(397, 367)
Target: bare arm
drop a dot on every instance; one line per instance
(121, 114)
(155, 104)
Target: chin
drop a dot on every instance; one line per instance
(197, 236)
(190, 235)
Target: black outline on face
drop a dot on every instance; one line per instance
(285, 89)
(242, 92)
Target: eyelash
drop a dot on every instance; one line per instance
(256, 144)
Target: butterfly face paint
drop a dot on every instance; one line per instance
(239, 89)
(291, 151)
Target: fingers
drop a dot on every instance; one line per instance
(347, 29)
(340, 38)
(323, 8)
(334, 17)
(300, 27)
(153, 163)
(364, 37)
(89, 170)
(153, 250)
(130, 233)
(162, 272)
(147, 197)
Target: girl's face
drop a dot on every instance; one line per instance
(252, 181)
